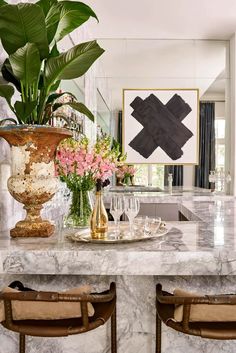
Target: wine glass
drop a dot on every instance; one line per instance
(132, 207)
(116, 210)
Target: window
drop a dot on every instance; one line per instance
(157, 175)
(149, 174)
(141, 175)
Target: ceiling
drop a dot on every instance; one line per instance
(182, 19)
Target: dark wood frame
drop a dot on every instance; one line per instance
(104, 306)
(165, 306)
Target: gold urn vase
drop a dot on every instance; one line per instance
(33, 180)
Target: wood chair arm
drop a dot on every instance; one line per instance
(57, 297)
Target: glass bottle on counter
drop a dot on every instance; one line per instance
(228, 180)
(170, 183)
(212, 180)
(99, 218)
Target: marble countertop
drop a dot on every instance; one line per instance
(205, 245)
(178, 194)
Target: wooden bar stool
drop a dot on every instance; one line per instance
(104, 305)
(205, 316)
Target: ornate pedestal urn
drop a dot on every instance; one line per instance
(33, 180)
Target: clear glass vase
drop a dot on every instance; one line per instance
(80, 209)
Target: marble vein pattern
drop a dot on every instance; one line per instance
(198, 255)
(187, 249)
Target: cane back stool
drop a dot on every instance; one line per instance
(104, 305)
(220, 327)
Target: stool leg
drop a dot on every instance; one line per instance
(113, 332)
(158, 334)
(22, 343)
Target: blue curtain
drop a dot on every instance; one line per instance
(119, 130)
(206, 145)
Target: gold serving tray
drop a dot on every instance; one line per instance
(84, 236)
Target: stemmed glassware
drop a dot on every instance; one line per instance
(132, 207)
(117, 208)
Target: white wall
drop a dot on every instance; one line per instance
(161, 64)
(231, 126)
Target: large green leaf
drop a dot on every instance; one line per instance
(2, 122)
(55, 86)
(26, 64)
(23, 23)
(73, 63)
(6, 91)
(23, 110)
(65, 17)
(8, 75)
(54, 51)
(80, 107)
(2, 3)
(46, 5)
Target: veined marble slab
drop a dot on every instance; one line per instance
(199, 255)
(206, 246)
(187, 249)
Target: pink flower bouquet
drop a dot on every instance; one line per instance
(124, 172)
(82, 166)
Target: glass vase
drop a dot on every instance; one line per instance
(80, 209)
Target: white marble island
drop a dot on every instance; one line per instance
(197, 255)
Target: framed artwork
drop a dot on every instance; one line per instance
(161, 126)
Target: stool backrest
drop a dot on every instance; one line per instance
(166, 300)
(34, 296)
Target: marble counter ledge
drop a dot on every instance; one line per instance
(206, 247)
(179, 194)
(188, 249)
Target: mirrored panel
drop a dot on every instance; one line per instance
(170, 64)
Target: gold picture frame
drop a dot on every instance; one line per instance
(193, 118)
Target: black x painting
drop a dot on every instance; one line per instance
(161, 126)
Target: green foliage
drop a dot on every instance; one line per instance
(64, 17)
(25, 64)
(46, 5)
(29, 33)
(24, 110)
(53, 105)
(79, 107)
(2, 2)
(71, 64)
(118, 148)
(6, 91)
(8, 75)
(23, 23)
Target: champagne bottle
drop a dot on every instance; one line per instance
(99, 218)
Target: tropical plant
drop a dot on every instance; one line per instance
(29, 34)
(52, 109)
